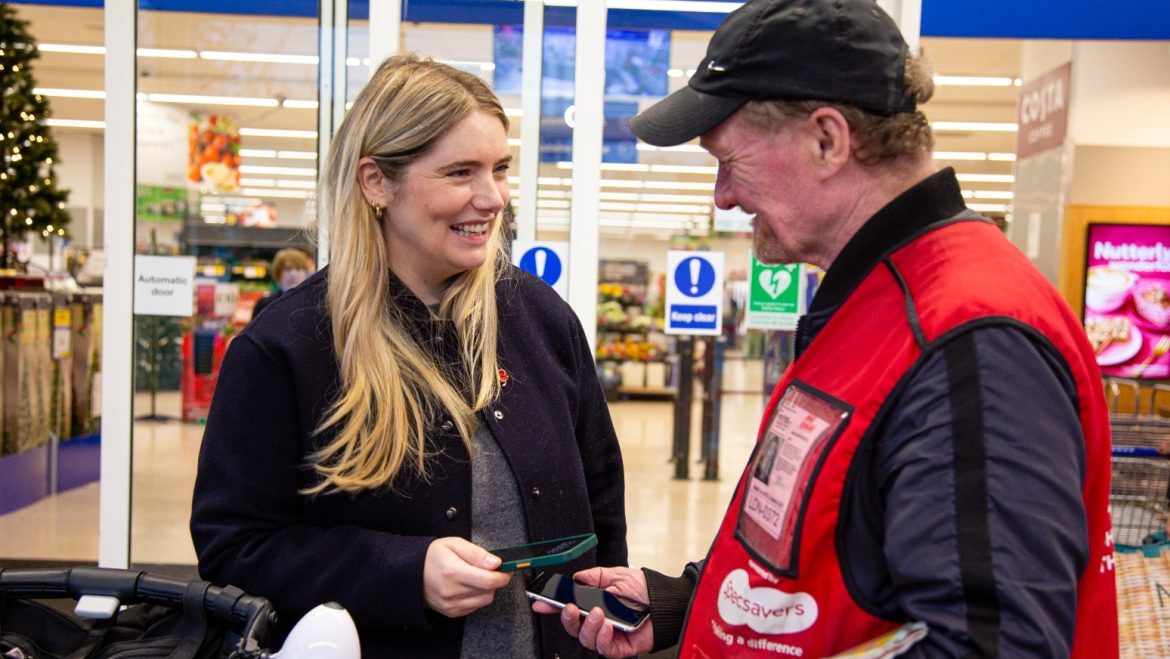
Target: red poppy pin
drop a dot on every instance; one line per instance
(503, 377)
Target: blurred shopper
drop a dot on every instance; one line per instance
(943, 440)
(414, 404)
(289, 267)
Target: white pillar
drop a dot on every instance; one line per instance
(331, 80)
(908, 15)
(117, 374)
(589, 95)
(385, 30)
(531, 73)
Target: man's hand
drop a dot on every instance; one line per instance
(459, 577)
(594, 632)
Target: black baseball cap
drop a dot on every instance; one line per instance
(842, 51)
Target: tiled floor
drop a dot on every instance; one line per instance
(671, 521)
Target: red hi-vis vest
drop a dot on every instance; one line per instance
(772, 584)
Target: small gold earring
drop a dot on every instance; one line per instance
(377, 209)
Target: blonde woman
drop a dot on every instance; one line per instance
(416, 403)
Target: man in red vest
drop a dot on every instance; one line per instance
(935, 461)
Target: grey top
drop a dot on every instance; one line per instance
(505, 627)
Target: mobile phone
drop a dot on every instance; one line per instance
(559, 590)
(544, 553)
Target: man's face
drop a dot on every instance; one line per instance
(767, 175)
(291, 277)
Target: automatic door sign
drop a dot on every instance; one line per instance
(164, 285)
(547, 260)
(694, 293)
(775, 296)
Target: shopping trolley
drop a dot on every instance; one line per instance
(1139, 503)
(1139, 497)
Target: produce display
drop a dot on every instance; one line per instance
(619, 309)
(631, 350)
(213, 154)
(627, 333)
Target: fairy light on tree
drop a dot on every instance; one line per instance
(30, 201)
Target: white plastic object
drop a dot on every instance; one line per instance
(96, 607)
(326, 632)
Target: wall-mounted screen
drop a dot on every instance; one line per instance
(636, 61)
(1127, 299)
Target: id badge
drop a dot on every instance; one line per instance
(782, 470)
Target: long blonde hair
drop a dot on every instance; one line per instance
(391, 390)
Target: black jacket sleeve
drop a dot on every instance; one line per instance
(669, 599)
(980, 471)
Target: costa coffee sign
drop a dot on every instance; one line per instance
(1043, 113)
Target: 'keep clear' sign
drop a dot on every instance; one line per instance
(694, 293)
(164, 285)
(547, 260)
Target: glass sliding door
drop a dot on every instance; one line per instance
(51, 132)
(226, 172)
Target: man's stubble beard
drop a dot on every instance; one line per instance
(766, 247)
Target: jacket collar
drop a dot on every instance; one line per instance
(410, 308)
(934, 199)
(435, 336)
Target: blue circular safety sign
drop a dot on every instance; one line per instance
(544, 263)
(694, 276)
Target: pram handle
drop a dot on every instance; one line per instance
(250, 616)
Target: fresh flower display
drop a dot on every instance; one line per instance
(632, 350)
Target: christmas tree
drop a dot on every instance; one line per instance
(30, 200)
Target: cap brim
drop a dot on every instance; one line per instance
(683, 116)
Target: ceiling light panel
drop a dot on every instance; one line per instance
(983, 126)
(193, 99)
(75, 123)
(70, 93)
(270, 58)
(276, 132)
(167, 53)
(283, 171)
(276, 192)
(975, 81)
(986, 178)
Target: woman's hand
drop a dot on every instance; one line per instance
(594, 632)
(459, 577)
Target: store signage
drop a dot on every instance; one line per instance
(1127, 299)
(164, 285)
(1043, 112)
(547, 260)
(776, 296)
(62, 332)
(694, 293)
(162, 146)
(227, 298)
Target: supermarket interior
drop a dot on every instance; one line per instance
(198, 159)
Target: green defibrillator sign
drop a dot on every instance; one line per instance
(776, 296)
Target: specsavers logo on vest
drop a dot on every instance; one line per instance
(764, 610)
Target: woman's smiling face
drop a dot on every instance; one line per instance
(441, 214)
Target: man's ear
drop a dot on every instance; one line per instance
(833, 138)
(375, 187)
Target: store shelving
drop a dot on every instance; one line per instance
(631, 347)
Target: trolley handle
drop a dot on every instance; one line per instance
(1137, 452)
